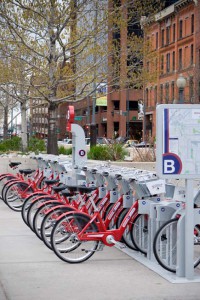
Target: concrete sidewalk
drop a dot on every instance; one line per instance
(30, 271)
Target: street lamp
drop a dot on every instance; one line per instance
(181, 83)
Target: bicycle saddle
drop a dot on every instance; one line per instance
(14, 164)
(59, 188)
(85, 189)
(26, 171)
(66, 193)
(51, 181)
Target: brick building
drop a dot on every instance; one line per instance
(175, 37)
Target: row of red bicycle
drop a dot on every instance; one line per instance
(76, 221)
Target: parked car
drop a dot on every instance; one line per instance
(130, 143)
(67, 141)
(142, 145)
(121, 140)
(102, 141)
(87, 141)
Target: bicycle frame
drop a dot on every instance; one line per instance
(103, 234)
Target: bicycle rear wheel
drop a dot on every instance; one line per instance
(139, 233)
(35, 206)
(41, 213)
(126, 238)
(49, 221)
(28, 201)
(65, 242)
(6, 186)
(165, 246)
(3, 180)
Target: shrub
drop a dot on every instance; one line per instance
(98, 152)
(12, 144)
(111, 152)
(65, 151)
(36, 145)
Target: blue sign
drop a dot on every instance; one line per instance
(171, 164)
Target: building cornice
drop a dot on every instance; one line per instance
(171, 10)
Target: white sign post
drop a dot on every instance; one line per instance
(178, 156)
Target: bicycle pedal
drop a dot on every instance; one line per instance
(99, 248)
(120, 245)
(110, 240)
(87, 251)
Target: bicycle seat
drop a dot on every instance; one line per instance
(51, 181)
(14, 164)
(66, 193)
(85, 189)
(72, 188)
(84, 168)
(105, 173)
(118, 176)
(59, 188)
(26, 171)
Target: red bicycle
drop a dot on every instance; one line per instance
(77, 236)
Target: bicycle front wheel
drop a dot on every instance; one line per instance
(165, 246)
(16, 193)
(65, 242)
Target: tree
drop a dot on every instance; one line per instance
(39, 29)
(63, 52)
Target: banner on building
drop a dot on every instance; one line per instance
(101, 95)
(102, 101)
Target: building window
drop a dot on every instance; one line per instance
(155, 95)
(156, 64)
(161, 93)
(156, 40)
(116, 104)
(172, 91)
(173, 61)
(162, 64)
(168, 62)
(168, 35)
(133, 105)
(180, 58)
(192, 54)
(191, 89)
(174, 32)
(147, 97)
(180, 29)
(192, 24)
(163, 37)
(187, 26)
(167, 92)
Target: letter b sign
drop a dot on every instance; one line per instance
(171, 164)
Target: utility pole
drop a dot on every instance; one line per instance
(93, 131)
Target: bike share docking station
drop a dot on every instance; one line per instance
(178, 146)
(79, 154)
(177, 157)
